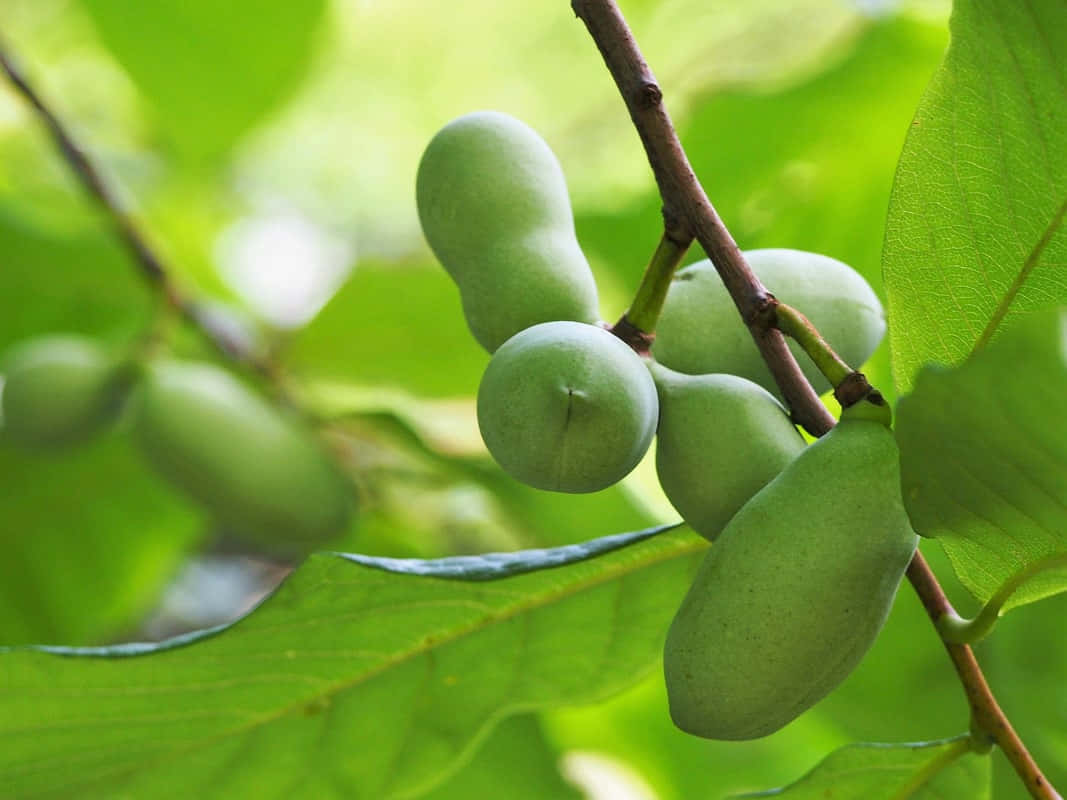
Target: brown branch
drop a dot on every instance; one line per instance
(985, 711)
(148, 260)
(687, 212)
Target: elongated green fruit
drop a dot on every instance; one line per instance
(567, 406)
(720, 439)
(795, 590)
(699, 330)
(60, 390)
(494, 207)
(256, 471)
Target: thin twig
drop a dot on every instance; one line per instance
(144, 255)
(985, 710)
(687, 212)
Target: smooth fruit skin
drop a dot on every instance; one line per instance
(700, 331)
(720, 439)
(567, 407)
(256, 471)
(795, 590)
(494, 208)
(60, 390)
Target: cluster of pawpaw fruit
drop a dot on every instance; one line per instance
(257, 472)
(810, 541)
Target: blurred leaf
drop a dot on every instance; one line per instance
(984, 459)
(396, 325)
(494, 566)
(211, 70)
(348, 682)
(927, 771)
(976, 230)
(636, 730)
(515, 762)
(89, 538)
(1025, 661)
(81, 284)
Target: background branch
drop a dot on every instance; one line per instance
(687, 212)
(151, 266)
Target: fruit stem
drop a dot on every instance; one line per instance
(687, 212)
(644, 312)
(960, 630)
(149, 261)
(986, 715)
(797, 327)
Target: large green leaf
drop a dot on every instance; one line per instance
(210, 70)
(984, 460)
(944, 770)
(976, 230)
(349, 682)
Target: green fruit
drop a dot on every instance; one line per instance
(259, 474)
(700, 331)
(493, 205)
(59, 390)
(795, 590)
(567, 406)
(720, 439)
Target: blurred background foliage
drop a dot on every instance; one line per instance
(269, 149)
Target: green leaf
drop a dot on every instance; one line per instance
(493, 566)
(515, 762)
(89, 538)
(77, 283)
(210, 70)
(976, 233)
(348, 682)
(420, 343)
(924, 771)
(983, 455)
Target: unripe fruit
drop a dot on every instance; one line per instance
(493, 205)
(720, 439)
(795, 590)
(567, 406)
(699, 330)
(256, 471)
(59, 390)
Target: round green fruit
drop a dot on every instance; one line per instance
(720, 439)
(259, 474)
(60, 390)
(567, 406)
(700, 331)
(494, 207)
(795, 590)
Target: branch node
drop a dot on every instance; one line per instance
(637, 339)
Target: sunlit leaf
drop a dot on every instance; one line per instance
(944, 770)
(976, 231)
(210, 70)
(349, 682)
(984, 460)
